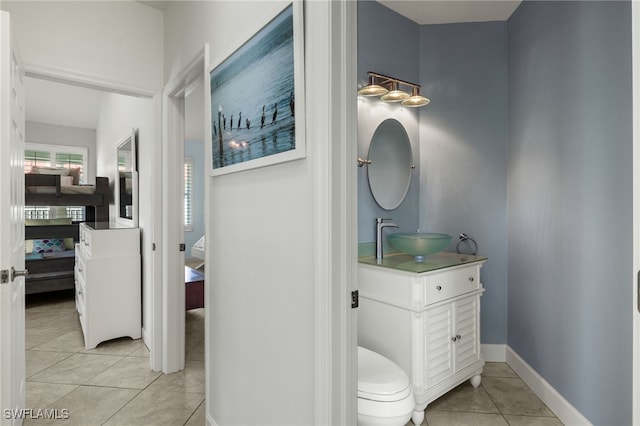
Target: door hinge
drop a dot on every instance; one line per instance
(355, 299)
(4, 276)
(183, 247)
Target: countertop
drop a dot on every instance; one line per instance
(405, 262)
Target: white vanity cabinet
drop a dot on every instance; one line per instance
(107, 274)
(426, 318)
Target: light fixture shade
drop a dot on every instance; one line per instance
(394, 94)
(416, 100)
(372, 89)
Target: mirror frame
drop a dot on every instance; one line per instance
(130, 137)
(381, 196)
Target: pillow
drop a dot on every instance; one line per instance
(75, 173)
(50, 171)
(68, 242)
(49, 245)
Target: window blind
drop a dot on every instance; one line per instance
(188, 193)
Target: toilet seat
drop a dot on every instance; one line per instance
(380, 379)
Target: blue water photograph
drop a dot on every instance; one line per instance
(253, 97)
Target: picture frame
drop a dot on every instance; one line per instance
(257, 98)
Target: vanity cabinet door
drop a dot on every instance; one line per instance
(451, 339)
(467, 331)
(438, 345)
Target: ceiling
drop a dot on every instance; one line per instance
(61, 104)
(426, 12)
(56, 103)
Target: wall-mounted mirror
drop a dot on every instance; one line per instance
(127, 180)
(391, 164)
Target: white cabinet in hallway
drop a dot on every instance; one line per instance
(107, 274)
(426, 318)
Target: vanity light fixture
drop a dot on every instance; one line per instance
(388, 89)
(416, 99)
(395, 94)
(372, 89)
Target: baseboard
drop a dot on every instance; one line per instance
(566, 412)
(146, 338)
(494, 353)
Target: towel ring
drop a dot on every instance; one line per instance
(464, 237)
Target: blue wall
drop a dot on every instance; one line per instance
(459, 140)
(527, 147)
(463, 136)
(570, 201)
(195, 151)
(387, 44)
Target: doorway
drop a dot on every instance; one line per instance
(90, 119)
(184, 113)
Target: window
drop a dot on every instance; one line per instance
(41, 155)
(55, 156)
(34, 157)
(188, 193)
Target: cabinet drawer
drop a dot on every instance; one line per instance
(85, 240)
(80, 266)
(450, 283)
(80, 295)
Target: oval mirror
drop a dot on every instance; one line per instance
(391, 164)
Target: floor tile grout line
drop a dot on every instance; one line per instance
(55, 363)
(124, 405)
(194, 412)
(120, 357)
(52, 403)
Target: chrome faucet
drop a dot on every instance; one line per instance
(380, 223)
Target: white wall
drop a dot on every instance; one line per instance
(67, 136)
(114, 41)
(263, 245)
(118, 115)
(116, 44)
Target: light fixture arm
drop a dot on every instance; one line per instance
(388, 80)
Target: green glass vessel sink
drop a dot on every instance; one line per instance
(419, 244)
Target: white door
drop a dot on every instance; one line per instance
(12, 364)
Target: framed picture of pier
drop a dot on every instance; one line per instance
(257, 98)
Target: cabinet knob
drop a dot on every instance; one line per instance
(454, 338)
(471, 279)
(458, 336)
(439, 287)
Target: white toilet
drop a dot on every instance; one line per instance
(384, 391)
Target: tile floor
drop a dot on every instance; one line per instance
(501, 399)
(111, 384)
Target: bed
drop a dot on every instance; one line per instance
(50, 243)
(47, 190)
(197, 251)
(49, 271)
